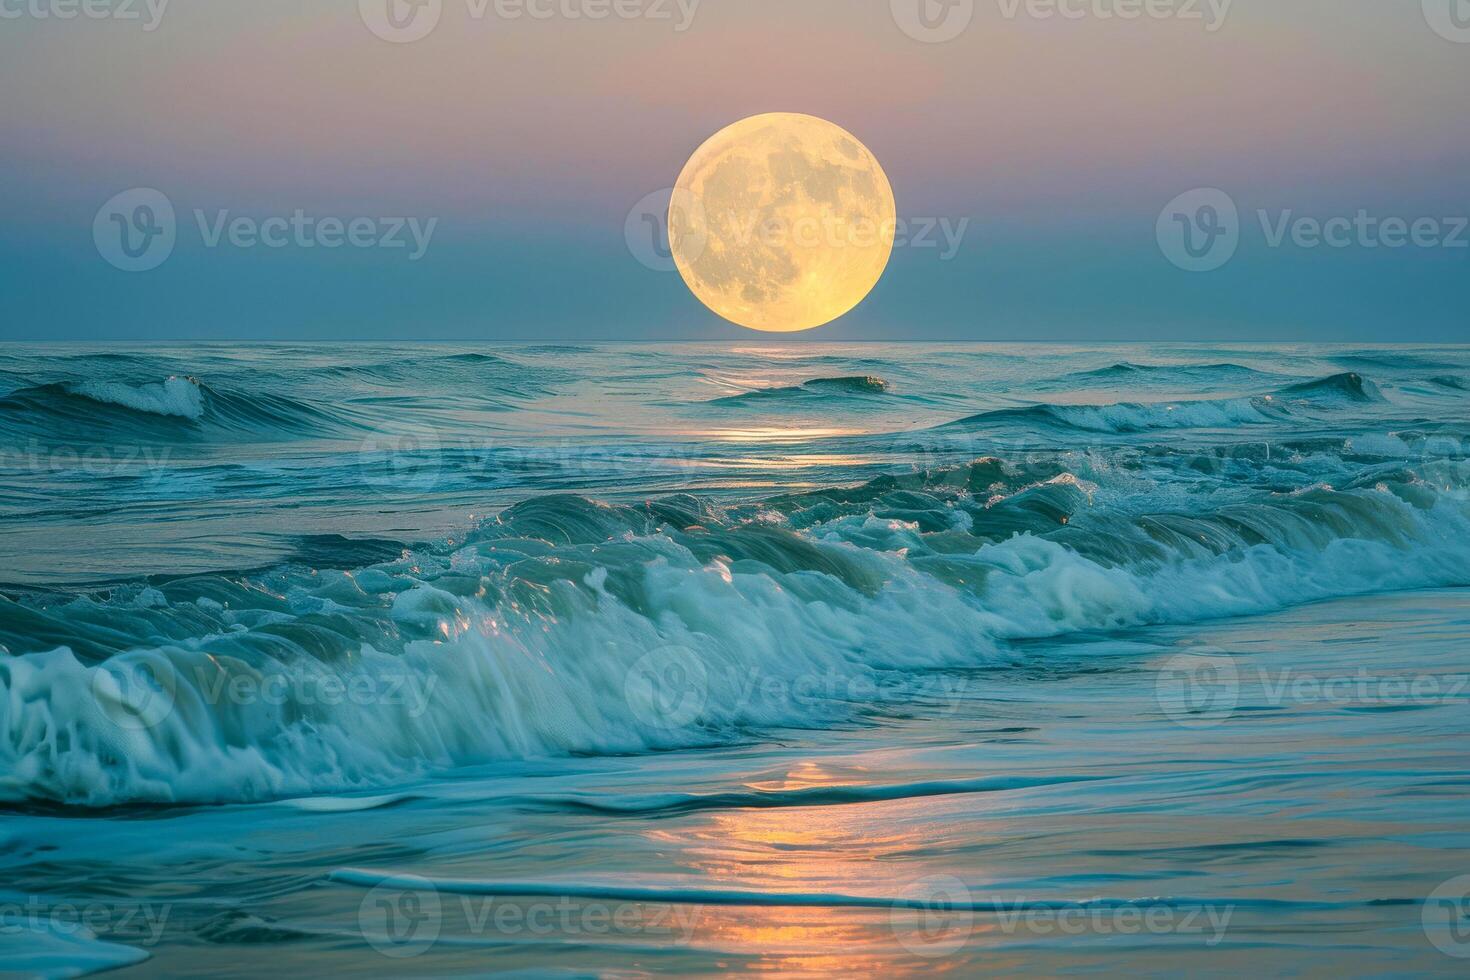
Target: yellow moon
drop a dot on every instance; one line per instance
(782, 222)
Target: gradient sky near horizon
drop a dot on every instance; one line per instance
(1059, 139)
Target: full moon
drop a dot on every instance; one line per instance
(782, 222)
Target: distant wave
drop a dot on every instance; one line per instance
(865, 385)
(1125, 371)
(1393, 360)
(266, 402)
(174, 408)
(1132, 417)
(556, 349)
(1221, 413)
(490, 376)
(403, 368)
(1344, 387)
(815, 388)
(550, 628)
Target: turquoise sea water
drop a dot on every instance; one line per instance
(795, 659)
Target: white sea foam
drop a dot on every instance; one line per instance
(176, 396)
(1126, 417)
(39, 941)
(650, 646)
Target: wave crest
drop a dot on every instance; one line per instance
(1220, 413)
(837, 387)
(551, 628)
(177, 408)
(175, 396)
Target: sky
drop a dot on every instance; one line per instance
(1255, 170)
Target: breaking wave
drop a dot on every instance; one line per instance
(568, 625)
(175, 397)
(174, 408)
(1218, 413)
(1345, 387)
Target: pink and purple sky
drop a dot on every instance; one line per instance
(1059, 136)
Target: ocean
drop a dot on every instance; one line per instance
(713, 659)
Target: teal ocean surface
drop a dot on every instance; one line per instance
(802, 660)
